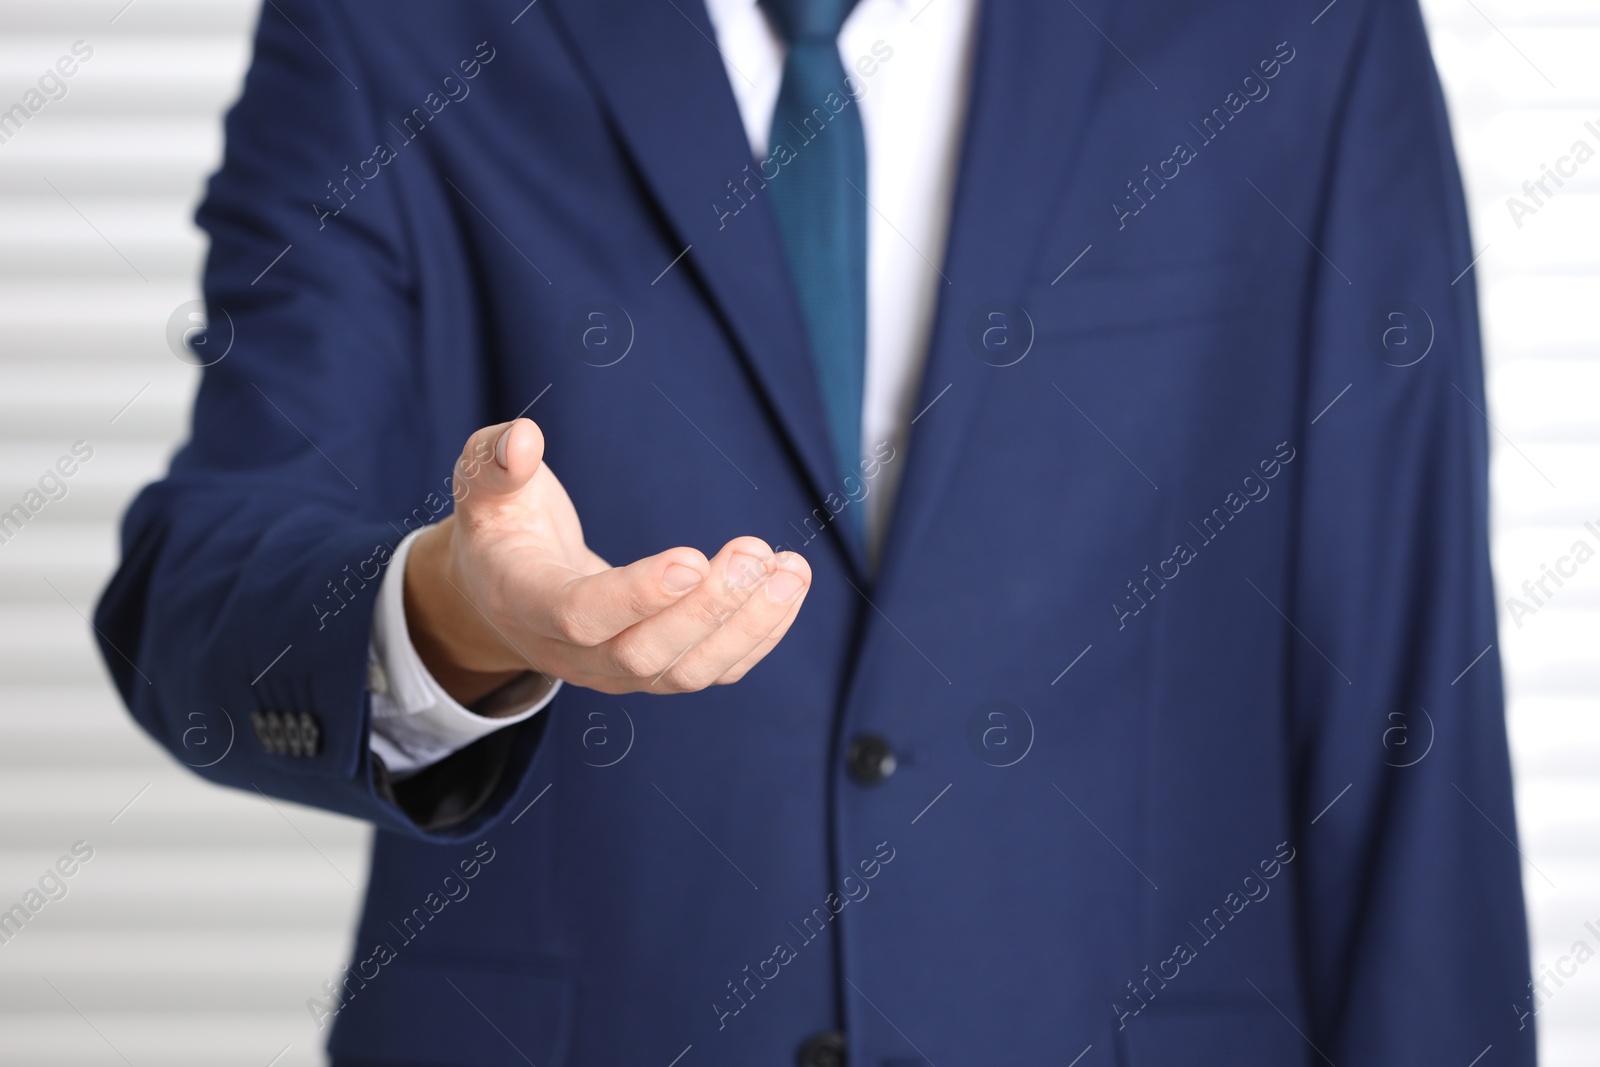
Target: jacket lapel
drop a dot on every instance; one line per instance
(1034, 67)
(664, 84)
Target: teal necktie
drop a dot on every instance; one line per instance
(819, 196)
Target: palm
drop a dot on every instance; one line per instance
(507, 583)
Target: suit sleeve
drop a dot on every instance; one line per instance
(1413, 928)
(243, 603)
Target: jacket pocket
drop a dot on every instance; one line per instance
(460, 1014)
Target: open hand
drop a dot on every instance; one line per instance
(506, 584)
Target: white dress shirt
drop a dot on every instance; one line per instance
(913, 110)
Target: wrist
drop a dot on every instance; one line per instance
(455, 640)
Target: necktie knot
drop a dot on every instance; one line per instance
(807, 21)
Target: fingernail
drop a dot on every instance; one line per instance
(678, 578)
(784, 586)
(500, 447)
(745, 570)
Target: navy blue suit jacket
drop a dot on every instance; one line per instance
(1178, 639)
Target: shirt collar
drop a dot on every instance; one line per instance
(721, 9)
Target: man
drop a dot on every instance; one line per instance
(1031, 596)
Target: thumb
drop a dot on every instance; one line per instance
(496, 463)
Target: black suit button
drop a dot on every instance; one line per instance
(869, 759)
(268, 728)
(824, 1049)
(310, 735)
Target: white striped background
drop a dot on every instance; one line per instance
(204, 920)
(206, 917)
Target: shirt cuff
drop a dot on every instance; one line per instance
(415, 723)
